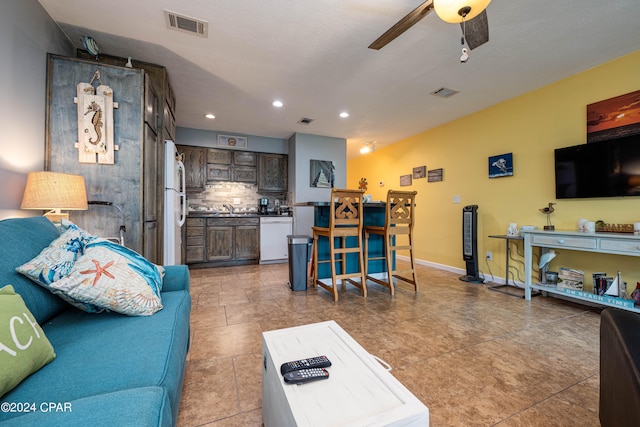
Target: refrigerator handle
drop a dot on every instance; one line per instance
(183, 194)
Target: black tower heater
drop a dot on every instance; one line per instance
(470, 243)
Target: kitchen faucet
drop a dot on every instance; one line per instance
(229, 207)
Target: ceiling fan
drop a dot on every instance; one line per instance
(471, 14)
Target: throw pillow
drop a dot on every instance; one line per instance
(23, 346)
(57, 260)
(115, 278)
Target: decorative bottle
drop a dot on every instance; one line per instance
(635, 295)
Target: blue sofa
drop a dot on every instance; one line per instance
(109, 369)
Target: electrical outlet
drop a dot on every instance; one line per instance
(489, 256)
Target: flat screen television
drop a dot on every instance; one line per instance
(599, 169)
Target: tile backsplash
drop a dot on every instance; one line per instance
(220, 193)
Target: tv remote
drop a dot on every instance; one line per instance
(302, 376)
(313, 362)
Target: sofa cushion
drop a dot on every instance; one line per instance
(115, 278)
(22, 239)
(24, 348)
(56, 262)
(108, 352)
(147, 406)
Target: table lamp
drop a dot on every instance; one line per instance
(54, 192)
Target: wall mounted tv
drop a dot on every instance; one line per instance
(599, 169)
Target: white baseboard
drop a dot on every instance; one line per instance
(457, 270)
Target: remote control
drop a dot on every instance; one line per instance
(313, 362)
(302, 376)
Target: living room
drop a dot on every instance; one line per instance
(530, 126)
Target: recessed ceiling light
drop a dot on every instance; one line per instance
(277, 104)
(210, 116)
(344, 114)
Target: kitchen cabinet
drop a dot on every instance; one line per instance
(233, 239)
(245, 158)
(222, 157)
(217, 172)
(194, 240)
(220, 241)
(247, 242)
(231, 166)
(194, 164)
(135, 180)
(272, 172)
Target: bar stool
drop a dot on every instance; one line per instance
(345, 220)
(399, 221)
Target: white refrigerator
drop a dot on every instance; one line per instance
(175, 204)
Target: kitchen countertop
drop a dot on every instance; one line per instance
(210, 214)
(376, 204)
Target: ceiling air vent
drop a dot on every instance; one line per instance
(186, 24)
(444, 92)
(305, 121)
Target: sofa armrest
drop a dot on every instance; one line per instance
(176, 278)
(619, 368)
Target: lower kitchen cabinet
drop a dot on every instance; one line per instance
(219, 243)
(223, 241)
(247, 245)
(195, 240)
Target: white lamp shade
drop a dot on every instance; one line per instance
(51, 190)
(448, 10)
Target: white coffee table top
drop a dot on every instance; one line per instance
(359, 390)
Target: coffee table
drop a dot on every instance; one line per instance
(359, 391)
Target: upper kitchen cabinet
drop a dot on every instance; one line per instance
(194, 162)
(272, 172)
(231, 166)
(134, 180)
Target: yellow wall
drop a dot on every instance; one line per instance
(530, 126)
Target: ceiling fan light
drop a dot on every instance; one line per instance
(449, 10)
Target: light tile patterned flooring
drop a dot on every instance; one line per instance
(475, 357)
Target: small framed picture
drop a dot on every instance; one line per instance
(322, 173)
(405, 180)
(419, 172)
(229, 141)
(435, 175)
(501, 165)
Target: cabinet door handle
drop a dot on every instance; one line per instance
(561, 241)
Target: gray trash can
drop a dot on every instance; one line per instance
(300, 248)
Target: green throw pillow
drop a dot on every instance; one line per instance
(23, 346)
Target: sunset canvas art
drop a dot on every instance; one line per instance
(614, 117)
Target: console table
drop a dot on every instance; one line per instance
(605, 243)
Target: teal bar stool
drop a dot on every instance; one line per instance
(397, 233)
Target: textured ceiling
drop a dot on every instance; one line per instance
(313, 56)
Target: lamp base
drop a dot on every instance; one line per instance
(56, 217)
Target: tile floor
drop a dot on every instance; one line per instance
(475, 357)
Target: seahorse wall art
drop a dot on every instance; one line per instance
(96, 121)
(95, 124)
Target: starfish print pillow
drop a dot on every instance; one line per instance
(57, 260)
(114, 278)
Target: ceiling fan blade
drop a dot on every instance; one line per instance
(403, 25)
(477, 30)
